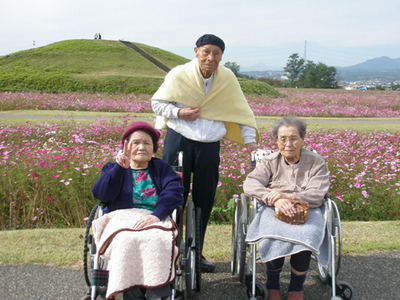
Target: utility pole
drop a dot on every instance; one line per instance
(305, 51)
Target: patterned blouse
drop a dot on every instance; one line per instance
(144, 192)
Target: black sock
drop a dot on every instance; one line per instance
(273, 279)
(296, 282)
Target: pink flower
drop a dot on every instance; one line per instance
(365, 194)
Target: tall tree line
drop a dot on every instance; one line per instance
(308, 74)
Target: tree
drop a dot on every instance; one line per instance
(327, 76)
(235, 68)
(294, 67)
(317, 76)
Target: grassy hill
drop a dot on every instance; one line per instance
(94, 66)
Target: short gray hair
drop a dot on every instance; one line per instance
(289, 121)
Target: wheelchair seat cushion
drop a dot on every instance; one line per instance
(279, 239)
(143, 258)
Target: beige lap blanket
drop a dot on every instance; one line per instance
(144, 258)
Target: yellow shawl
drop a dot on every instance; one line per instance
(225, 101)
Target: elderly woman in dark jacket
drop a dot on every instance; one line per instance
(138, 180)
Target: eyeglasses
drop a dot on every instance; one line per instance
(291, 139)
(207, 53)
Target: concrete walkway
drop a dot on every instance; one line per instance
(374, 276)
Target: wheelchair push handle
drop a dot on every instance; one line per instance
(253, 162)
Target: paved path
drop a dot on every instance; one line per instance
(259, 120)
(374, 276)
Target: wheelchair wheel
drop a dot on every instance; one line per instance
(241, 244)
(89, 252)
(89, 248)
(344, 290)
(235, 226)
(336, 230)
(261, 292)
(199, 246)
(191, 253)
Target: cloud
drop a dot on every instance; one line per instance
(254, 29)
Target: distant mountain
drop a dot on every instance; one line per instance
(381, 69)
(258, 67)
(381, 63)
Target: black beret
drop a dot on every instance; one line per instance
(210, 39)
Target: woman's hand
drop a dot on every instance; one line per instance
(124, 158)
(286, 207)
(146, 221)
(273, 196)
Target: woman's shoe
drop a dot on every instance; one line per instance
(274, 295)
(295, 295)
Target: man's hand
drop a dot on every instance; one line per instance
(146, 221)
(188, 113)
(251, 147)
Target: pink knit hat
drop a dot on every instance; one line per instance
(139, 125)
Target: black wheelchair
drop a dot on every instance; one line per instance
(188, 269)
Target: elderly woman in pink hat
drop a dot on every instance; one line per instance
(138, 180)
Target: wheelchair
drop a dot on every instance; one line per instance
(188, 269)
(244, 255)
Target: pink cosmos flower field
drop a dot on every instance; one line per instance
(48, 169)
(302, 102)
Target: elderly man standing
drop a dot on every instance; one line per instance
(200, 103)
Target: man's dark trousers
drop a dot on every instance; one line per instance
(201, 159)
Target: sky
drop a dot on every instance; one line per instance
(338, 33)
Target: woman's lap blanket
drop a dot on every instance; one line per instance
(278, 239)
(144, 258)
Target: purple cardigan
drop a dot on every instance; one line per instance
(114, 187)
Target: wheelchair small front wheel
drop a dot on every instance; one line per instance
(344, 290)
(261, 292)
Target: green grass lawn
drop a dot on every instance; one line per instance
(64, 247)
(79, 116)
